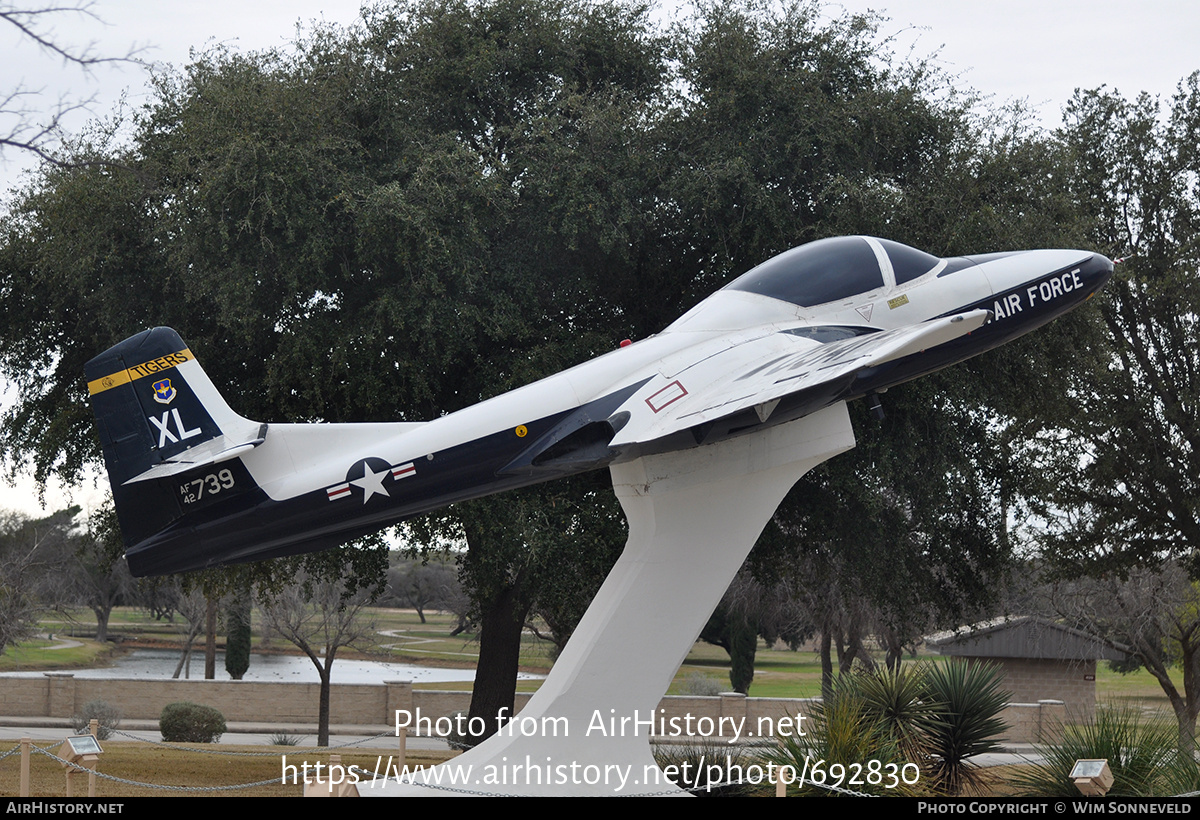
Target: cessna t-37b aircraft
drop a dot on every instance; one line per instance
(197, 485)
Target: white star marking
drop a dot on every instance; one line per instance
(372, 483)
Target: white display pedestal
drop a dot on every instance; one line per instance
(693, 517)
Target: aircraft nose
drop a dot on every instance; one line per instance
(1086, 276)
(1096, 272)
(1018, 269)
(1039, 285)
(1062, 271)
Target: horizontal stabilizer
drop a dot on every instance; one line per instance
(213, 451)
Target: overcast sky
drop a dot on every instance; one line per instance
(1039, 51)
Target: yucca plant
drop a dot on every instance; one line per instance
(900, 698)
(1143, 755)
(690, 767)
(969, 724)
(840, 732)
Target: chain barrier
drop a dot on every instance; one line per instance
(366, 776)
(179, 748)
(360, 740)
(366, 782)
(840, 790)
(45, 751)
(306, 749)
(17, 749)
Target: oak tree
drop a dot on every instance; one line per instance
(1129, 456)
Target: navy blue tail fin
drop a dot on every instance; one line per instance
(159, 416)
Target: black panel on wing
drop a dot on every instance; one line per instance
(579, 441)
(829, 333)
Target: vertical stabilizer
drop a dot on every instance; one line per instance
(159, 416)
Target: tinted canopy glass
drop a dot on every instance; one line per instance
(823, 271)
(831, 270)
(908, 263)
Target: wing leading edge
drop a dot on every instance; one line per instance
(759, 373)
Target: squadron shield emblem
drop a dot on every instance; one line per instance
(164, 392)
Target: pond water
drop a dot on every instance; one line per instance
(160, 663)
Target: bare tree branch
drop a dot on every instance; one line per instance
(1153, 613)
(28, 21)
(320, 617)
(28, 134)
(31, 128)
(28, 557)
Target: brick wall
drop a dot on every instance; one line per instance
(1072, 682)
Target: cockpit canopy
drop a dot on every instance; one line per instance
(830, 270)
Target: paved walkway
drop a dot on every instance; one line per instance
(60, 643)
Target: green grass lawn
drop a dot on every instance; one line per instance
(38, 655)
(787, 674)
(1139, 688)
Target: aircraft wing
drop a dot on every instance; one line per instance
(760, 372)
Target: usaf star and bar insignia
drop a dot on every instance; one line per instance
(370, 477)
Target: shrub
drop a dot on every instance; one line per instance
(969, 723)
(107, 716)
(698, 683)
(690, 767)
(843, 734)
(237, 641)
(284, 739)
(1144, 757)
(921, 726)
(901, 699)
(186, 722)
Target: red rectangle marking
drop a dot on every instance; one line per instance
(670, 394)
